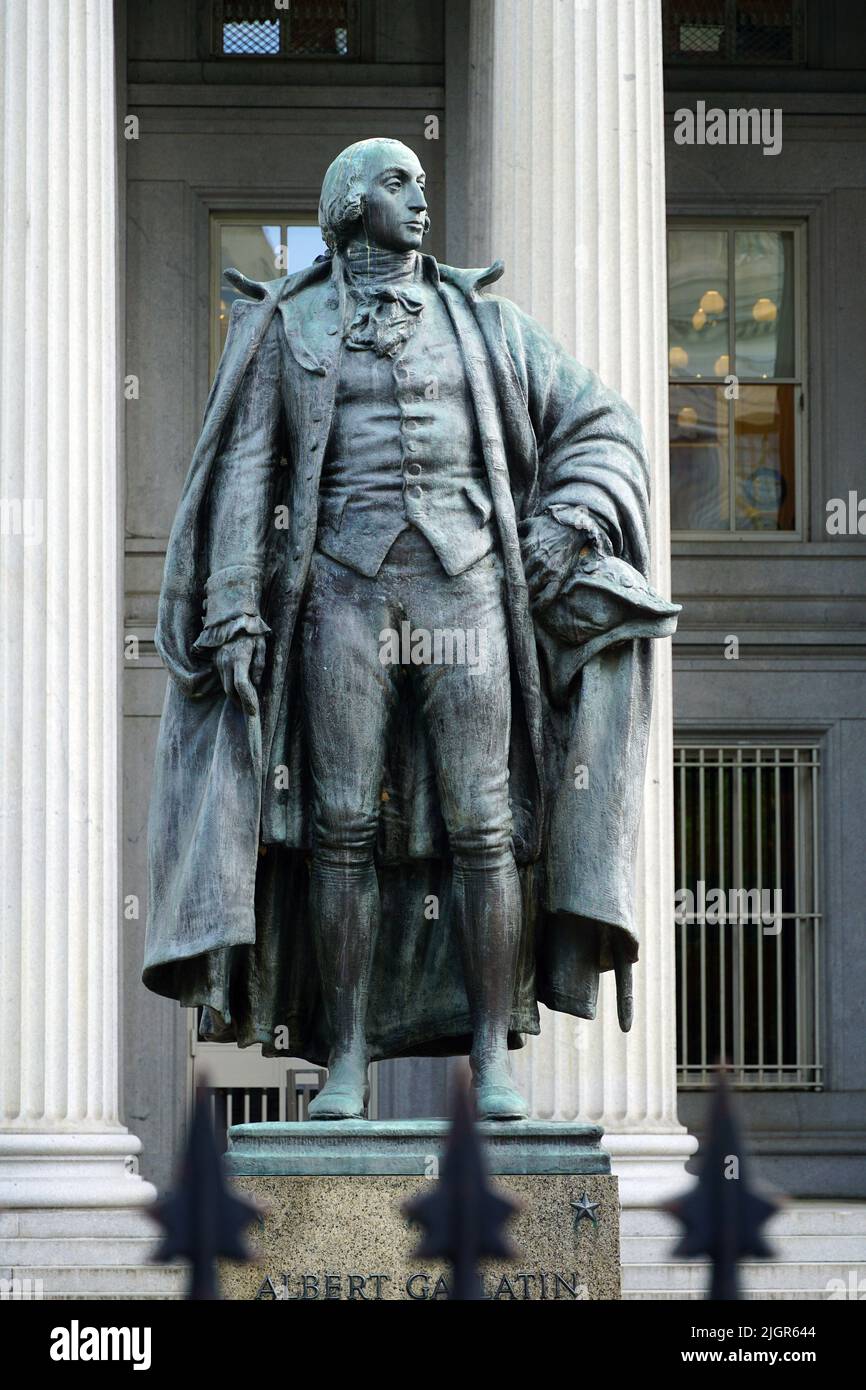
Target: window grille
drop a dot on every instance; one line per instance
(747, 917)
(298, 29)
(251, 38)
(734, 32)
(254, 1104)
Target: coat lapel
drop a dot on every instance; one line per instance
(481, 385)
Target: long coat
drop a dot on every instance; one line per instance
(229, 839)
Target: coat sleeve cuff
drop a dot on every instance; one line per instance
(217, 633)
(232, 606)
(581, 519)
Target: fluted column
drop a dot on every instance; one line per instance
(61, 1140)
(566, 184)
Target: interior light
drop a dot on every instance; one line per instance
(712, 302)
(764, 310)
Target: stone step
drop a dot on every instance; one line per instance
(136, 1280)
(818, 1218)
(77, 1250)
(756, 1275)
(749, 1295)
(787, 1249)
(796, 1218)
(51, 1223)
(115, 1297)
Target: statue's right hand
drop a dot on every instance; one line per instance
(240, 663)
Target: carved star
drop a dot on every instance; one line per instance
(585, 1208)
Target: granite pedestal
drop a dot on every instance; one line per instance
(334, 1228)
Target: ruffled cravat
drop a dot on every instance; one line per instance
(387, 304)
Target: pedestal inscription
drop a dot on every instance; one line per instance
(342, 1235)
(346, 1238)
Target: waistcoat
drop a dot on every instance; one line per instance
(404, 451)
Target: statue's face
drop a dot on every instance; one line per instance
(395, 205)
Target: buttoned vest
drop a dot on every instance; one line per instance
(404, 451)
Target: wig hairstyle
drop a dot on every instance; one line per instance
(344, 190)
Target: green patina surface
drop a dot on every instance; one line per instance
(407, 1147)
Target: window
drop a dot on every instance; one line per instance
(284, 28)
(747, 915)
(734, 32)
(735, 347)
(260, 245)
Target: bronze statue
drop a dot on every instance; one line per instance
(405, 617)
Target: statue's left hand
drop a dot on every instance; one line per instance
(240, 663)
(550, 551)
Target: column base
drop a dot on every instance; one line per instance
(70, 1170)
(651, 1167)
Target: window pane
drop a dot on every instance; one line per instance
(695, 30)
(764, 436)
(261, 251)
(698, 303)
(733, 31)
(699, 458)
(319, 26)
(303, 245)
(764, 31)
(252, 249)
(253, 38)
(764, 314)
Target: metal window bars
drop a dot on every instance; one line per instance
(250, 1104)
(302, 29)
(734, 32)
(747, 919)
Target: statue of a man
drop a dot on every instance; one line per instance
(405, 619)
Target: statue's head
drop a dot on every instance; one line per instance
(374, 192)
